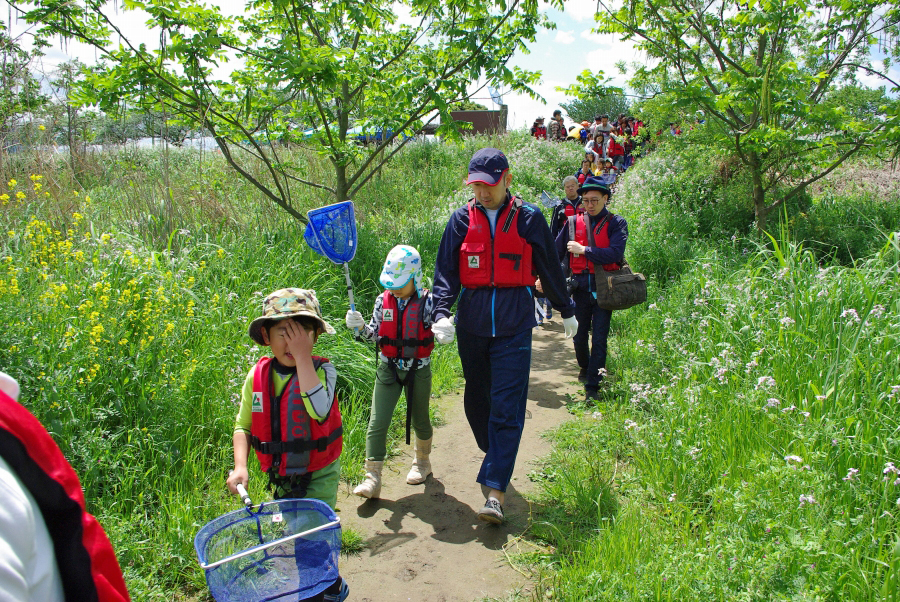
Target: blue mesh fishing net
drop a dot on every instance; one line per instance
(331, 231)
(289, 570)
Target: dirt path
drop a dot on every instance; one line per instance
(424, 542)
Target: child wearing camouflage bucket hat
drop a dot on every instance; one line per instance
(289, 412)
(401, 327)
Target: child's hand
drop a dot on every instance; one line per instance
(537, 286)
(238, 475)
(299, 341)
(354, 320)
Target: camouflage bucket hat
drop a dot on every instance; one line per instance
(288, 303)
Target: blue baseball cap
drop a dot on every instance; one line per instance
(487, 165)
(594, 183)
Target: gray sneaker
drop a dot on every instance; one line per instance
(492, 512)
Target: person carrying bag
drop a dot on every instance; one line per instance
(594, 246)
(618, 288)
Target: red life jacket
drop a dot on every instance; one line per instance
(580, 263)
(402, 334)
(570, 209)
(288, 441)
(85, 558)
(502, 261)
(614, 148)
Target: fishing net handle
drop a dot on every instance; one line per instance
(266, 546)
(350, 293)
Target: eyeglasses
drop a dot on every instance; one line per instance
(591, 201)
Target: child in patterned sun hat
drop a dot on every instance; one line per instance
(289, 413)
(401, 327)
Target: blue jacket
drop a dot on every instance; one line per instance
(615, 253)
(498, 312)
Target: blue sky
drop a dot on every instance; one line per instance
(561, 55)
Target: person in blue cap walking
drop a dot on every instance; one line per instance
(593, 240)
(490, 255)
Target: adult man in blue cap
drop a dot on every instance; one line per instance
(490, 255)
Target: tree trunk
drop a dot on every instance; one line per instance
(759, 194)
(340, 184)
(343, 124)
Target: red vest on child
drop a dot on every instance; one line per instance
(402, 334)
(288, 441)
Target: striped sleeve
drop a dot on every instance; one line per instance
(318, 400)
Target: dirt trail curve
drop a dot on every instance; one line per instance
(424, 542)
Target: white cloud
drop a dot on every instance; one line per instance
(581, 10)
(598, 38)
(873, 81)
(564, 37)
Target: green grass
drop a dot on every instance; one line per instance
(126, 306)
(747, 443)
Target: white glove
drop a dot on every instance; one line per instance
(443, 330)
(571, 326)
(354, 320)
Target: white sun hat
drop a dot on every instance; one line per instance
(403, 264)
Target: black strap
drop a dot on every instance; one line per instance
(409, 381)
(587, 224)
(275, 448)
(516, 258)
(405, 342)
(294, 486)
(512, 213)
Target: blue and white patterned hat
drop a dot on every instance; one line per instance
(403, 264)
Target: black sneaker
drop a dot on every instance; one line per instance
(582, 375)
(591, 395)
(492, 512)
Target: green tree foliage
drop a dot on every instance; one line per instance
(594, 96)
(762, 73)
(313, 74)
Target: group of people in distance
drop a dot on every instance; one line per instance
(603, 139)
(498, 255)
(556, 131)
